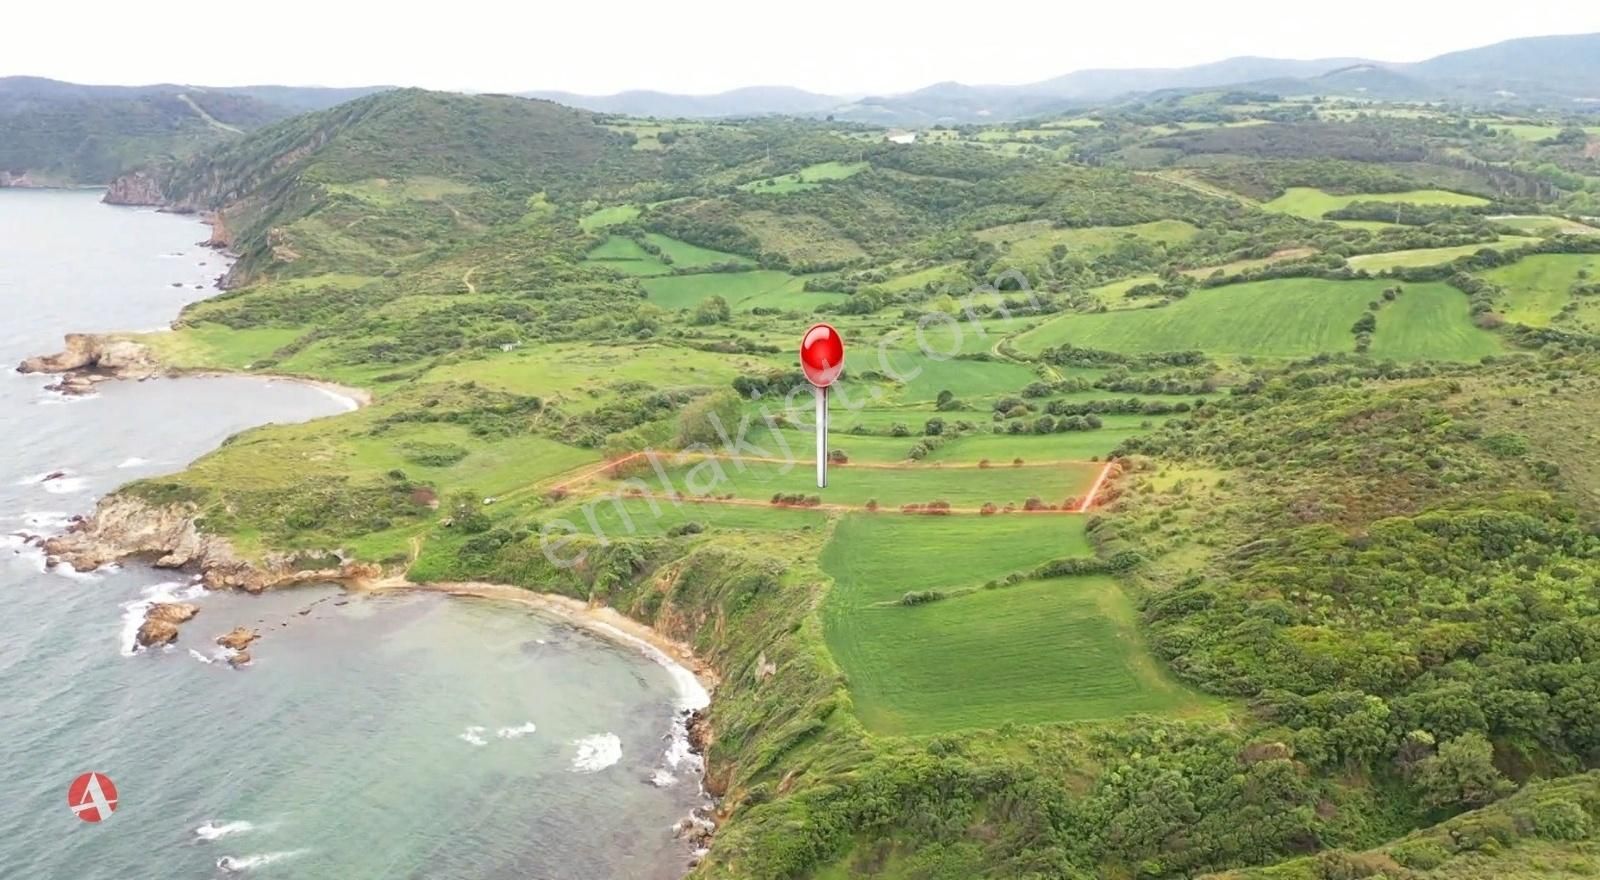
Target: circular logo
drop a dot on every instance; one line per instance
(822, 355)
(92, 797)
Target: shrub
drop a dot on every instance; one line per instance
(1561, 819)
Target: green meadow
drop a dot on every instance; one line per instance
(890, 487)
(1031, 243)
(612, 216)
(1536, 288)
(1431, 322)
(809, 177)
(1433, 256)
(760, 288)
(627, 256)
(1305, 201)
(1064, 649)
(1289, 317)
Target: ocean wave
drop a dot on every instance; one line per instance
(597, 752)
(216, 831)
(473, 735)
(66, 485)
(48, 520)
(66, 570)
(133, 611)
(237, 864)
(56, 398)
(679, 752)
(662, 779)
(516, 732)
(134, 462)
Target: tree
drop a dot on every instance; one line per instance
(934, 427)
(1462, 774)
(712, 310)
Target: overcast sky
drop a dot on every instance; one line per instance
(698, 46)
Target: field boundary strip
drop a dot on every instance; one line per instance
(612, 467)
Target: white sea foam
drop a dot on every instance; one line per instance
(48, 520)
(237, 864)
(473, 735)
(54, 398)
(217, 830)
(349, 403)
(41, 476)
(134, 462)
(597, 752)
(692, 696)
(66, 485)
(679, 753)
(516, 732)
(661, 778)
(133, 611)
(67, 571)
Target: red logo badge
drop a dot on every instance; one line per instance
(92, 797)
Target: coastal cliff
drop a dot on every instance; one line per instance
(138, 188)
(126, 526)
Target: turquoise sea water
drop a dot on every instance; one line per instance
(408, 736)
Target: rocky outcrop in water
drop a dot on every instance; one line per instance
(89, 357)
(238, 638)
(124, 526)
(161, 622)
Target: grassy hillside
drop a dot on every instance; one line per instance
(1170, 531)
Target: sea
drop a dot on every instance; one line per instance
(402, 735)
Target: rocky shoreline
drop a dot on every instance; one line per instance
(91, 358)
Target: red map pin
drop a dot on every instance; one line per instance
(92, 797)
(822, 359)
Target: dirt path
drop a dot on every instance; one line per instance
(466, 279)
(210, 120)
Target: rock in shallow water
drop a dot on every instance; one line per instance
(238, 638)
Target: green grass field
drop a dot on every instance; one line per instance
(626, 256)
(1431, 322)
(1537, 287)
(1433, 256)
(1304, 201)
(576, 375)
(1289, 317)
(743, 290)
(1238, 266)
(1059, 650)
(966, 487)
(611, 216)
(922, 377)
(1545, 225)
(1068, 445)
(1031, 243)
(809, 177)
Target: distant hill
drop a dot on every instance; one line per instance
(55, 133)
(752, 101)
(302, 98)
(1103, 84)
(1558, 71)
(1572, 62)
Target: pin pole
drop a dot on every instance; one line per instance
(822, 437)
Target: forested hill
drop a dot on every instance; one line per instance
(419, 170)
(56, 133)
